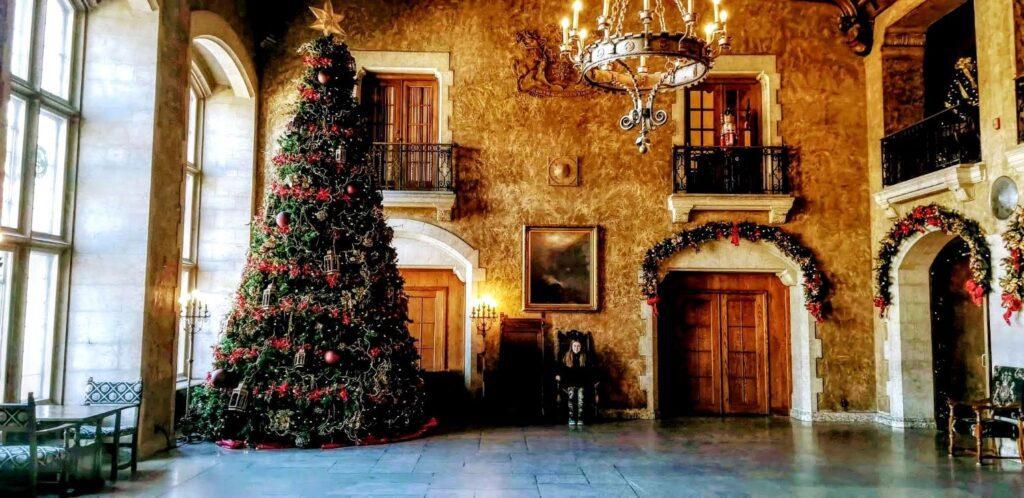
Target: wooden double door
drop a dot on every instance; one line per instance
(436, 311)
(722, 348)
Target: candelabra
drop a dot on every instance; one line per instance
(194, 312)
(648, 61)
(484, 314)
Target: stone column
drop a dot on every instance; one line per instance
(156, 424)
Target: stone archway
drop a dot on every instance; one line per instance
(750, 257)
(907, 349)
(423, 245)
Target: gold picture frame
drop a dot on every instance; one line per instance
(560, 268)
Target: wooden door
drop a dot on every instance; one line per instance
(437, 308)
(403, 113)
(744, 353)
(724, 345)
(427, 310)
(698, 346)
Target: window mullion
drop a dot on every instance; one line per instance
(16, 324)
(28, 170)
(35, 72)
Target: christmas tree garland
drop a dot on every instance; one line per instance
(922, 220)
(814, 282)
(1013, 283)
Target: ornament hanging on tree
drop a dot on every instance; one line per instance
(267, 300)
(283, 220)
(220, 378)
(332, 357)
(352, 189)
(239, 399)
(300, 358)
(323, 77)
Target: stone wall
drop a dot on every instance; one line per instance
(506, 139)
(996, 69)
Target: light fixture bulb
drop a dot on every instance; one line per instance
(565, 22)
(577, 6)
(724, 15)
(583, 34)
(709, 28)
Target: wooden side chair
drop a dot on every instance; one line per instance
(111, 393)
(21, 455)
(985, 420)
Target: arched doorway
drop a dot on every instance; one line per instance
(431, 251)
(959, 336)
(937, 343)
(721, 257)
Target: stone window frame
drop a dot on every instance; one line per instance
(21, 242)
(762, 68)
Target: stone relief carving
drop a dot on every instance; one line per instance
(541, 71)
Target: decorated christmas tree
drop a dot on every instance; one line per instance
(316, 350)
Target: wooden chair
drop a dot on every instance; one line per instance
(26, 458)
(984, 420)
(113, 394)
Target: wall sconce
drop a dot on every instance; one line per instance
(484, 313)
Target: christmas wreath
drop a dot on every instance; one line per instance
(814, 281)
(923, 219)
(1013, 283)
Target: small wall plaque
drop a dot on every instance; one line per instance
(564, 171)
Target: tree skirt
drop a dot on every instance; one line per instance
(234, 444)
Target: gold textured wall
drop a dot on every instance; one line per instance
(506, 139)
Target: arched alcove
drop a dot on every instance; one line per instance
(224, 77)
(908, 345)
(423, 245)
(749, 257)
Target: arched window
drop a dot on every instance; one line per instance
(42, 118)
(192, 193)
(218, 180)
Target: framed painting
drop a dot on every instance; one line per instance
(560, 268)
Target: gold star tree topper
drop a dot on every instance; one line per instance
(327, 20)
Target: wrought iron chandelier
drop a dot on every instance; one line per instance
(648, 62)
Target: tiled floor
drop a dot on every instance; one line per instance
(698, 457)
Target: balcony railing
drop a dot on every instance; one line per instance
(1020, 109)
(731, 170)
(945, 139)
(401, 166)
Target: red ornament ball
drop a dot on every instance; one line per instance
(323, 77)
(283, 220)
(352, 189)
(332, 358)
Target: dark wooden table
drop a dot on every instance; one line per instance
(88, 415)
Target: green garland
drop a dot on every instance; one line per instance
(814, 282)
(1013, 283)
(920, 220)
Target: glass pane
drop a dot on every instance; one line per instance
(193, 109)
(40, 316)
(48, 192)
(57, 47)
(187, 213)
(12, 162)
(22, 38)
(6, 262)
(184, 287)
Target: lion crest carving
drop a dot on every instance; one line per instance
(541, 71)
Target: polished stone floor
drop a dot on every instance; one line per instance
(687, 457)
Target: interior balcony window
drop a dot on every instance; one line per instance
(42, 116)
(403, 111)
(723, 113)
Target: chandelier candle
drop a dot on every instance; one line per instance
(644, 62)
